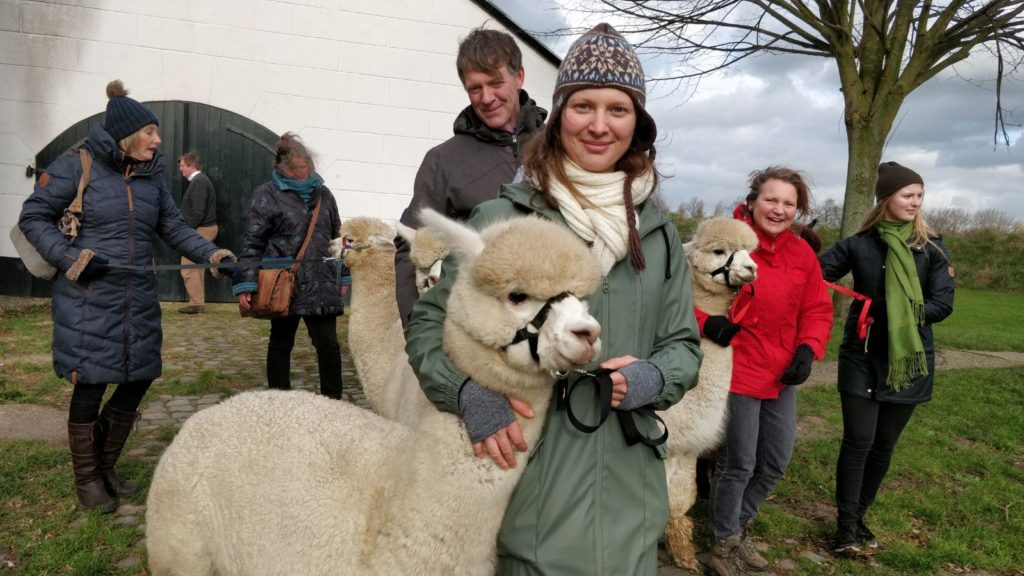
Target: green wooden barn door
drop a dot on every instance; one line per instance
(237, 155)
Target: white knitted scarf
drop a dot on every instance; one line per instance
(603, 225)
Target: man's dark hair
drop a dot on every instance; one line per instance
(191, 159)
(486, 50)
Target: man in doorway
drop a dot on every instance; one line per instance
(485, 151)
(199, 207)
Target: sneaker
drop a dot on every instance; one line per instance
(865, 536)
(750, 555)
(846, 542)
(191, 310)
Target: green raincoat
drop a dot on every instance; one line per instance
(587, 504)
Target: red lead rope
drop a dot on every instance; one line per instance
(865, 320)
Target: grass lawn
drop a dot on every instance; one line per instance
(953, 502)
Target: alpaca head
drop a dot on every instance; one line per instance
(426, 252)
(361, 237)
(519, 292)
(719, 254)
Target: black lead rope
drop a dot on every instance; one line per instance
(602, 380)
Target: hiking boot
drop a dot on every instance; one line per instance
(749, 555)
(724, 559)
(865, 536)
(846, 542)
(191, 310)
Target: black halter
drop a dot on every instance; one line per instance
(531, 336)
(724, 270)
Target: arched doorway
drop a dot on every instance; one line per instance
(237, 155)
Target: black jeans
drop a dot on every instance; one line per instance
(870, 432)
(86, 400)
(323, 331)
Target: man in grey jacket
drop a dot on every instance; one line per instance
(485, 150)
(199, 207)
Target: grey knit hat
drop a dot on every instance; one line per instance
(125, 115)
(602, 58)
(892, 177)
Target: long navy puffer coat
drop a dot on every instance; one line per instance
(108, 330)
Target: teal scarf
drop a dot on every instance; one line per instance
(904, 305)
(304, 188)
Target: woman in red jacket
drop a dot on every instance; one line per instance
(784, 328)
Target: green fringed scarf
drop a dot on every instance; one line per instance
(904, 306)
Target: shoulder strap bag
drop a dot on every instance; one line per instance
(68, 225)
(276, 286)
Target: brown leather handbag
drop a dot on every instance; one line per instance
(276, 286)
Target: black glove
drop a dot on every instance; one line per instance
(720, 330)
(800, 368)
(96, 267)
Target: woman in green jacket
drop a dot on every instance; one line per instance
(590, 503)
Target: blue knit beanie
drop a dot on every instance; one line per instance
(124, 115)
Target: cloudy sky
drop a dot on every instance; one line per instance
(789, 110)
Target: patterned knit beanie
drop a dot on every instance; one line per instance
(124, 115)
(892, 177)
(602, 58)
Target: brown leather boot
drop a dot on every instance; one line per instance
(114, 428)
(85, 463)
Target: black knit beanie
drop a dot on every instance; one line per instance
(892, 177)
(602, 58)
(124, 115)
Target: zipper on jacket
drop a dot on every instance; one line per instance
(128, 282)
(515, 147)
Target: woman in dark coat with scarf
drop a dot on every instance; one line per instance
(885, 372)
(279, 216)
(106, 320)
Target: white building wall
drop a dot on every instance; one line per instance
(369, 84)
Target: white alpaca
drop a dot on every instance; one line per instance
(697, 422)
(281, 483)
(426, 252)
(375, 334)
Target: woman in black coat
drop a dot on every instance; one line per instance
(106, 319)
(279, 217)
(885, 369)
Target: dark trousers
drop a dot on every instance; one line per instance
(870, 432)
(323, 331)
(86, 399)
(758, 445)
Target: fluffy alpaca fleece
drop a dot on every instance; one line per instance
(426, 252)
(280, 483)
(697, 422)
(375, 335)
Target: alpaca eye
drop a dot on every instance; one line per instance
(719, 252)
(517, 297)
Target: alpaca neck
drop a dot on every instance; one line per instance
(375, 332)
(463, 497)
(712, 302)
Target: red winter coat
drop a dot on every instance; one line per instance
(790, 306)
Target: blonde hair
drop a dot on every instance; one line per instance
(128, 142)
(921, 233)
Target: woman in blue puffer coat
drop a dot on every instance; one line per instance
(106, 319)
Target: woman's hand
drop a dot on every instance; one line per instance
(503, 444)
(619, 384)
(244, 301)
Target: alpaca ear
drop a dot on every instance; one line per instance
(687, 247)
(461, 240)
(409, 234)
